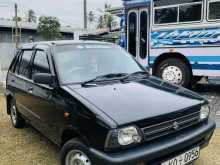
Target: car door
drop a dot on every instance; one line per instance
(18, 80)
(41, 97)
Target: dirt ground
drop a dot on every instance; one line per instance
(28, 147)
(24, 146)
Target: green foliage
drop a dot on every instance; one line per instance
(101, 23)
(49, 28)
(106, 19)
(19, 19)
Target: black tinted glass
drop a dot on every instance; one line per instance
(143, 34)
(190, 13)
(165, 15)
(214, 10)
(40, 64)
(24, 63)
(15, 63)
(132, 30)
(172, 2)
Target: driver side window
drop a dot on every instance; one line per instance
(40, 63)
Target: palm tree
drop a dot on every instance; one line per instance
(31, 16)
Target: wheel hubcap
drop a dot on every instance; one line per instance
(172, 74)
(76, 157)
(14, 114)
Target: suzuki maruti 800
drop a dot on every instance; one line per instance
(101, 107)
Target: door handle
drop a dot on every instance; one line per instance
(30, 89)
(12, 80)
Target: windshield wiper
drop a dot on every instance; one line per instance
(139, 73)
(111, 76)
(135, 74)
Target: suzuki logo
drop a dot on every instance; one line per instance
(176, 125)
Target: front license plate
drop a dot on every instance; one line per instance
(184, 158)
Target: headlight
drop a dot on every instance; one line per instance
(204, 112)
(128, 136)
(123, 137)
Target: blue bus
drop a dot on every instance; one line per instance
(178, 39)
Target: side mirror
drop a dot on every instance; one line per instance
(43, 78)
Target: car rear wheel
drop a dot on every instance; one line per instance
(16, 119)
(175, 71)
(74, 152)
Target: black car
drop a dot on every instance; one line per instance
(101, 107)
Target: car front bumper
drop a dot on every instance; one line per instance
(158, 150)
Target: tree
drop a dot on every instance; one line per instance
(106, 19)
(19, 19)
(31, 17)
(49, 28)
(91, 17)
(101, 23)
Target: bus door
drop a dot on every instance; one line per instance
(137, 34)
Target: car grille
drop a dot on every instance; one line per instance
(171, 126)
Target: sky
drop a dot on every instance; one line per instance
(70, 12)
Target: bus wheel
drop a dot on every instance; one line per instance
(196, 79)
(175, 71)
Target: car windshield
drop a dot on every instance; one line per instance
(84, 62)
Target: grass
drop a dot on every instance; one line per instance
(28, 147)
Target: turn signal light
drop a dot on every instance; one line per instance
(141, 163)
(66, 114)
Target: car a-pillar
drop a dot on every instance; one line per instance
(174, 68)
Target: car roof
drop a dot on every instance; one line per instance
(61, 42)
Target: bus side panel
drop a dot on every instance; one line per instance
(200, 46)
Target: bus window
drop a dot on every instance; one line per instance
(143, 34)
(214, 10)
(177, 11)
(132, 33)
(190, 13)
(166, 15)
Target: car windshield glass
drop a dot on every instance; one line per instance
(84, 62)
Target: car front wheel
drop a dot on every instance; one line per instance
(74, 152)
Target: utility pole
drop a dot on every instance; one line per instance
(16, 26)
(85, 13)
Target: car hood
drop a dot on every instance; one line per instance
(138, 100)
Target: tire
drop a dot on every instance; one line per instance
(196, 79)
(16, 119)
(77, 148)
(175, 71)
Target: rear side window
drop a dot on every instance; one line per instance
(24, 63)
(214, 10)
(40, 64)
